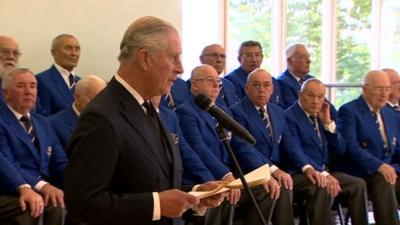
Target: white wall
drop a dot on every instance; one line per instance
(98, 25)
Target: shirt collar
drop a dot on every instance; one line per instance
(130, 89)
(17, 114)
(308, 115)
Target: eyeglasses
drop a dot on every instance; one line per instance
(381, 89)
(210, 80)
(302, 57)
(9, 51)
(251, 55)
(216, 55)
(258, 85)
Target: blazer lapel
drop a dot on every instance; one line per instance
(388, 129)
(259, 123)
(16, 129)
(308, 127)
(62, 87)
(370, 121)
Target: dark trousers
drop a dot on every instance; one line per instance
(383, 197)
(222, 214)
(354, 196)
(11, 213)
(283, 211)
(265, 203)
(317, 200)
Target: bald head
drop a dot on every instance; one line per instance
(259, 87)
(394, 79)
(86, 89)
(214, 55)
(9, 54)
(205, 80)
(376, 89)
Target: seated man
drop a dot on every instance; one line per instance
(298, 67)
(371, 131)
(65, 120)
(199, 130)
(316, 142)
(268, 131)
(9, 55)
(250, 58)
(214, 55)
(33, 158)
(56, 84)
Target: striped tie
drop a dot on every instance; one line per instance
(314, 123)
(71, 79)
(29, 129)
(264, 117)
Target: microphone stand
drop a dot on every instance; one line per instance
(223, 136)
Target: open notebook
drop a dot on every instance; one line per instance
(256, 177)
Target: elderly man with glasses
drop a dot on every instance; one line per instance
(9, 55)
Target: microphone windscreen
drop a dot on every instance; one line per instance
(203, 101)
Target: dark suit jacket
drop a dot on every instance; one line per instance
(180, 92)
(364, 144)
(199, 130)
(53, 93)
(116, 162)
(239, 79)
(21, 161)
(194, 170)
(63, 124)
(309, 149)
(266, 151)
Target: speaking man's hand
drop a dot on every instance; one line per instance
(173, 202)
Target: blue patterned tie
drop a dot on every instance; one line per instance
(29, 129)
(264, 117)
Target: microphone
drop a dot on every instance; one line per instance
(205, 103)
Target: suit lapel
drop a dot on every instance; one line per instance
(135, 116)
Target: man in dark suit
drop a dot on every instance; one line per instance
(250, 58)
(251, 112)
(199, 130)
(394, 95)
(371, 131)
(32, 157)
(56, 85)
(214, 55)
(65, 120)
(9, 55)
(316, 142)
(123, 168)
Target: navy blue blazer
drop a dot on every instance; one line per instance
(199, 130)
(63, 123)
(290, 88)
(194, 170)
(266, 150)
(53, 93)
(309, 148)
(21, 160)
(179, 91)
(364, 144)
(239, 79)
